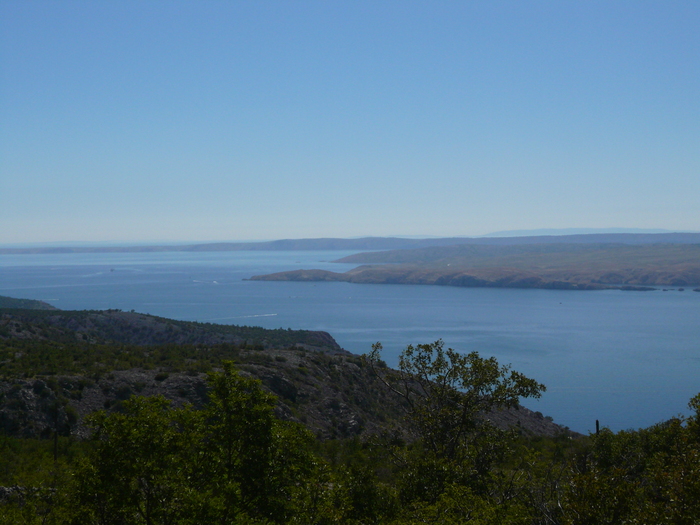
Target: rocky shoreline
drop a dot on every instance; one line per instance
(492, 278)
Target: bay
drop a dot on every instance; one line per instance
(628, 359)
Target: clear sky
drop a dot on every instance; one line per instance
(233, 120)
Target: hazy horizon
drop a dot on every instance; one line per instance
(144, 121)
(507, 233)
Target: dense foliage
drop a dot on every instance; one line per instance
(19, 358)
(133, 328)
(234, 461)
(11, 302)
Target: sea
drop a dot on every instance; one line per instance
(627, 359)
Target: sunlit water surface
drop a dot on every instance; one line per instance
(629, 359)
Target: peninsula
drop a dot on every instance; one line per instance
(575, 266)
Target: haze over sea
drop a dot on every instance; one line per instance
(629, 359)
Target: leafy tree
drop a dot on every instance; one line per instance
(448, 397)
(259, 464)
(233, 462)
(140, 470)
(646, 476)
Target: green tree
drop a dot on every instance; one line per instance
(650, 475)
(449, 395)
(259, 465)
(232, 462)
(140, 470)
(448, 398)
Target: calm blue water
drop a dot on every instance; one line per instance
(629, 359)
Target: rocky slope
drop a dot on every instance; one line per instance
(58, 367)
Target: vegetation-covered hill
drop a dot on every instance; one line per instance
(552, 265)
(113, 418)
(31, 304)
(238, 459)
(95, 359)
(115, 326)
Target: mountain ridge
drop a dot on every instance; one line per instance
(369, 243)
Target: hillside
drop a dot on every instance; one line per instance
(28, 304)
(558, 266)
(88, 361)
(115, 326)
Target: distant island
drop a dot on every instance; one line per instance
(590, 261)
(570, 266)
(372, 243)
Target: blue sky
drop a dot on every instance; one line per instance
(223, 120)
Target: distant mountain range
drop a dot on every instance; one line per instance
(574, 231)
(376, 243)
